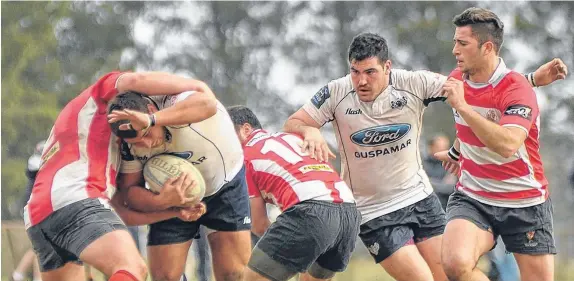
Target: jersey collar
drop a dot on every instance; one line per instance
(499, 73)
(253, 135)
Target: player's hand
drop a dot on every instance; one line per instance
(448, 163)
(192, 213)
(174, 190)
(137, 120)
(315, 145)
(549, 72)
(453, 90)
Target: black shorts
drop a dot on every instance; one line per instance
(415, 223)
(310, 232)
(526, 230)
(62, 236)
(227, 210)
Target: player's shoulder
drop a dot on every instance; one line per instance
(335, 89)
(340, 87)
(518, 79)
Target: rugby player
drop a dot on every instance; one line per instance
(319, 224)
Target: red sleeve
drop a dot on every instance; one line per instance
(250, 177)
(105, 89)
(518, 104)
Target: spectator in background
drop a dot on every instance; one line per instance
(29, 259)
(442, 181)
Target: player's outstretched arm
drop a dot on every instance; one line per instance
(547, 73)
(259, 219)
(159, 83)
(302, 124)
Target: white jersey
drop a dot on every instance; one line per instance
(211, 145)
(379, 141)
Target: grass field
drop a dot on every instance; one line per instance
(362, 267)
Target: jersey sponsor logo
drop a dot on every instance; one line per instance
(51, 152)
(320, 97)
(523, 111)
(379, 152)
(491, 115)
(315, 168)
(380, 135)
(185, 155)
(399, 102)
(351, 111)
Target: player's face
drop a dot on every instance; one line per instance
(153, 137)
(469, 56)
(370, 77)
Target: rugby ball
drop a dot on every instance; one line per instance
(162, 167)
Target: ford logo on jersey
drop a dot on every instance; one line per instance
(185, 155)
(380, 135)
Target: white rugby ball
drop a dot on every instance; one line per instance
(160, 168)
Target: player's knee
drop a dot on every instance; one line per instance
(233, 275)
(457, 266)
(167, 275)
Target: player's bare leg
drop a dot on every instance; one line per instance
(167, 262)
(463, 244)
(36, 269)
(407, 264)
(25, 263)
(69, 272)
(230, 251)
(430, 249)
(113, 252)
(535, 267)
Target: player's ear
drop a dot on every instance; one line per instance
(488, 47)
(387, 67)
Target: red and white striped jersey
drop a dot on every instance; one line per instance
(518, 181)
(278, 171)
(81, 157)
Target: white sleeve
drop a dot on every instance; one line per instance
(167, 101)
(322, 105)
(424, 84)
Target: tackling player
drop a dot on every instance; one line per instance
(211, 145)
(317, 230)
(502, 190)
(377, 116)
(68, 217)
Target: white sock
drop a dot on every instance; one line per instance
(17, 276)
(37, 279)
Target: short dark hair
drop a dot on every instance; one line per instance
(127, 100)
(241, 114)
(485, 25)
(368, 45)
